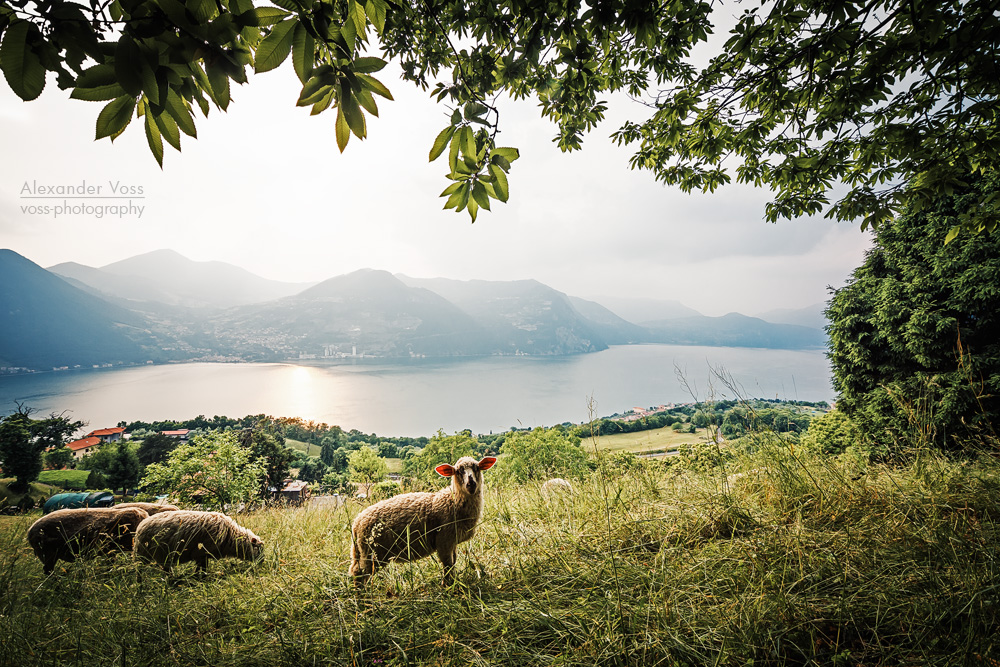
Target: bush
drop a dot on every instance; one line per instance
(386, 489)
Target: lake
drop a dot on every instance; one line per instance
(419, 396)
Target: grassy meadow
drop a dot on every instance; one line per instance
(657, 440)
(780, 558)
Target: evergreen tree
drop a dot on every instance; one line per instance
(915, 334)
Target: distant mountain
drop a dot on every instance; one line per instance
(49, 323)
(102, 283)
(640, 310)
(810, 316)
(367, 311)
(168, 277)
(735, 330)
(529, 317)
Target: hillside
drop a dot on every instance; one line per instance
(366, 311)
(734, 330)
(526, 315)
(49, 323)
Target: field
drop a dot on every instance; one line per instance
(657, 440)
(77, 478)
(780, 558)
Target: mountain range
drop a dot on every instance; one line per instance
(162, 306)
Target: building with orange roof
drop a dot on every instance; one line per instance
(84, 446)
(107, 434)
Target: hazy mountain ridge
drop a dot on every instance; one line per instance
(166, 276)
(368, 312)
(735, 330)
(49, 323)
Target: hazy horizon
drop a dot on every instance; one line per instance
(265, 188)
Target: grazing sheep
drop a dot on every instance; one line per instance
(170, 538)
(556, 485)
(67, 534)
(411, 526)
(151, 508)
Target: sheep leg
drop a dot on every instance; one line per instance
(447, 556)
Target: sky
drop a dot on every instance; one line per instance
(264, 187)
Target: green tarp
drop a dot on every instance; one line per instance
(64, 501)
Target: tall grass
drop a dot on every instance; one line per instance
(780, 558)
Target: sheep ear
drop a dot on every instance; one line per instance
(445, 470)
(487, 462)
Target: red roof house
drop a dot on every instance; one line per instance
(107, 434)
(84, 446)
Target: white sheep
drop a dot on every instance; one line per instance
(170, 538)
(67, 534)
(150, 508)
(556, 485)
(411, 526)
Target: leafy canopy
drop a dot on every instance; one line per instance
(213, 469)
(441, 449)
(805, 96)
(366, 466)
(542, 454)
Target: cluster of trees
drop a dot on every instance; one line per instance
(23, 441)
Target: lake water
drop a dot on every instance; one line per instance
(418, 397)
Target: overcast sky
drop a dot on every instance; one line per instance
(264, 187)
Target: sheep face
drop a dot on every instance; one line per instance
(250, 547)
(467, 473)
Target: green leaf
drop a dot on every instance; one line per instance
(367, 65)
(321, 78)
(261, 16)
(499, 182)
(473, 206)
(168, 129)
(21, 66)
(325, 101)
(175, 11)
(468, 142)
(357, 15)
(98, 94)
(453, 152)
(275, 47)
(219, 82)
(149, 84)
(343, 131)
(128, 65)
(153, 139)
(374, 85)
(179, 112)
(451, 189)
(202, 10)
(376, 11)
(115, 117)
(479, 195)
(317, 95)
(96, 77)
(462, 192)
(509, 154)
(474, 110)
(367, 102)
(355, 118)
(303, 52)
(441, 142)
(952, 233)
